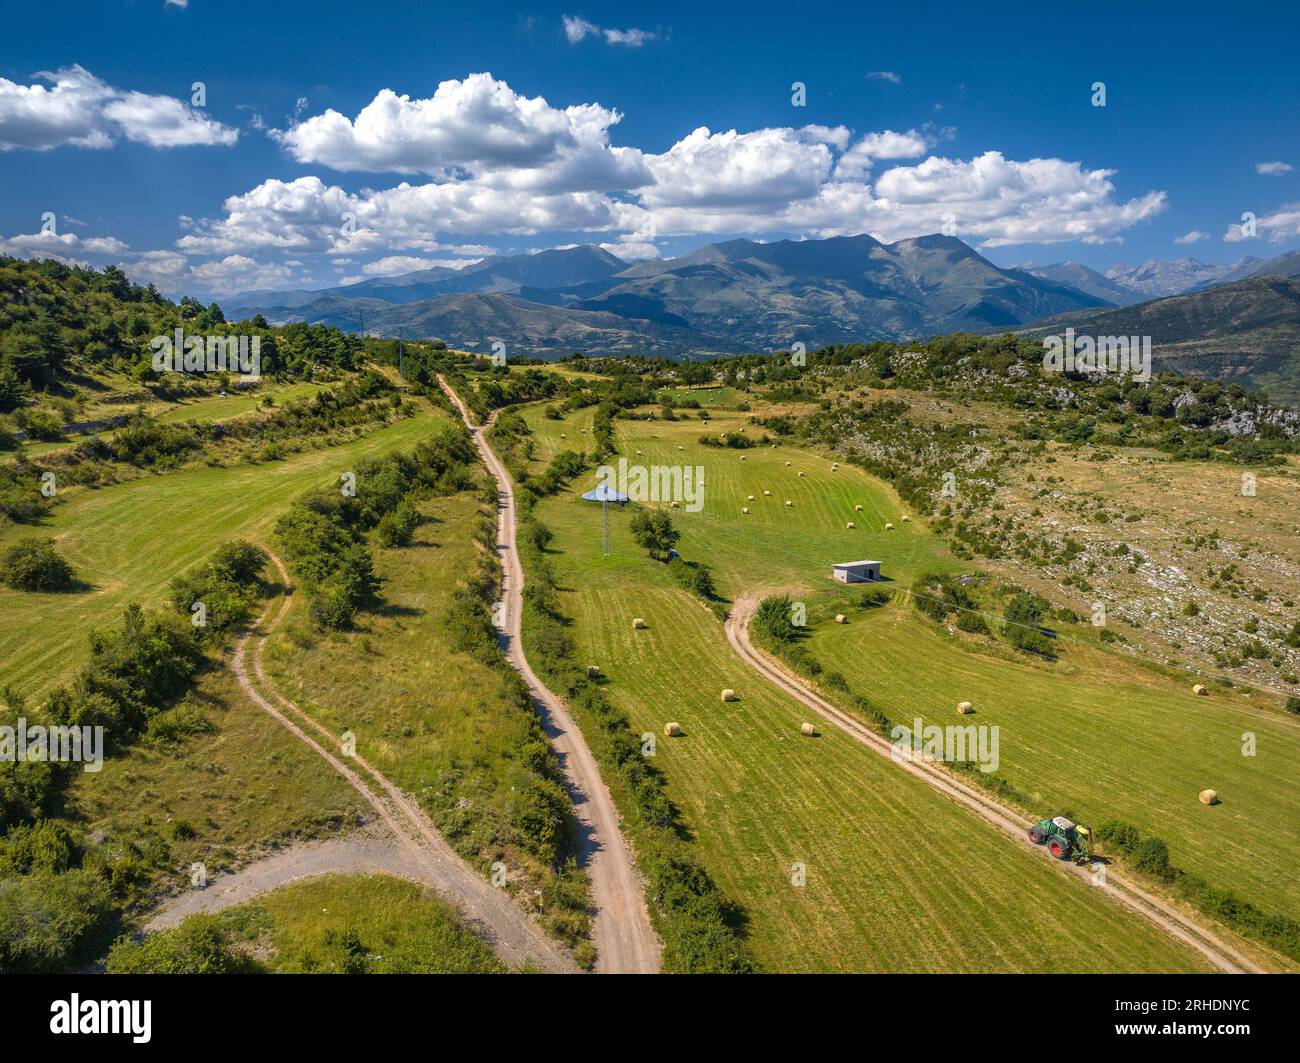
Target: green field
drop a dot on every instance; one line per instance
(1105, 739)
(218, 797)
(401, 926)
(437, 722)
(203, 409)
(128, 540)
(1096, 733)
(898, 878)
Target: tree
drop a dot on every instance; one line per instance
(1022, 616)
(654, 532)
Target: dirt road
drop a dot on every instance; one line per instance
(625, 940)
(1127, 893)
(484, 908)
(363, 851)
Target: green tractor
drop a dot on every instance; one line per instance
(1064, 840)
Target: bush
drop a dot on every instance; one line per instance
(200, 945)
(47, 845)
(397, 528)
(48, 921)
(773, 619)
(33, 565)
(1293, 705)
(227, 584)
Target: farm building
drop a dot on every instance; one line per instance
(857, 571)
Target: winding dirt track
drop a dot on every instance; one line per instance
(625, 941)
(1127, 893)
(485, 909)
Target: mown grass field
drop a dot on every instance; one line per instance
(400, 925)
(1103, 738)
(898, 878)
(1095, 733)
(128, 540)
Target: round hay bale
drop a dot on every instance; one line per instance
(1209, 797)
(672, 730)
(888, 526)
(728, 694)
(742, 457)
(840, 618)
(788, 502)
(749, 498)
(965, 708)
(681, 448)
(563, 436)
(1201, 691)
(857, 509)
(905, 518)
(807, 730)
(787, 464)
(744, 509)
(638, 453)
(800, 473)
(672, 505)
(638, 623)
(593, 670)
(852, 524)
(767, 493)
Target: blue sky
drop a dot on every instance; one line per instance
(644, 128)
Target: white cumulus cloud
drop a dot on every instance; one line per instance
(76, 109)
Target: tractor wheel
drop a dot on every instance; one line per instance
(1037, 835)
(1060, 848)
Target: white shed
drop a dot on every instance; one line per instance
(857, 572)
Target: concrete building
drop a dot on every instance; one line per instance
(857, 572)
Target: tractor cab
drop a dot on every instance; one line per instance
(1064, 839)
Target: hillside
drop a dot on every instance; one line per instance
(1247, 332)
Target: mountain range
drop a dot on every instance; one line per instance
(1238, 321)
(739, 295)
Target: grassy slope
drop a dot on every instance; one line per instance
(129, 540)
(204, 409)
(390, 915)
(1096, 733)
(888, 861)
(433, 719)
(241, 787)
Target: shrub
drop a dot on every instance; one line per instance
(773, 618)
(1152, 856)
(227, 584)
(48, 921)
(397, 528)
(1293, 705)
(33, 565)
(199, 945)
